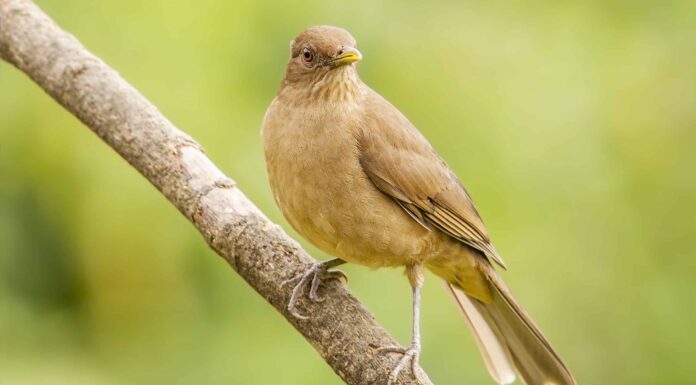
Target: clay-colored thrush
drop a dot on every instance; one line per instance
(354, 177)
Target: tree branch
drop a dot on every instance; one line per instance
(341, 329)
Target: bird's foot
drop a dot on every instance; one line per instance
(412, 353)
(313, 276)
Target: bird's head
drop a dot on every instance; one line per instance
(320, 52)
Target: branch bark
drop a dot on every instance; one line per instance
(341, 329)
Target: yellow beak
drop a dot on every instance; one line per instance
(349, 55)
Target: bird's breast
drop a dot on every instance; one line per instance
(319, 185)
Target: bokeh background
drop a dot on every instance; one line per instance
(573, 125)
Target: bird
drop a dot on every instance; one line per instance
(353, 176)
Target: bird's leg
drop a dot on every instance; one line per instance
(313, 276)
(412, 353)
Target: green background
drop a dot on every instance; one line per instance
(573, 124)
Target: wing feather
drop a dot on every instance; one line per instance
(401, 163)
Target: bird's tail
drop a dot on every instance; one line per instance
(509, 340)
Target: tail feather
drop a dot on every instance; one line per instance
(503, 325)
(488, 337)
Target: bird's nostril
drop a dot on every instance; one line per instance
(340, 52)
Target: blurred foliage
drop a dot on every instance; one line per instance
(573, 125)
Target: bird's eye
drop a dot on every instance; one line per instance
(307, 55)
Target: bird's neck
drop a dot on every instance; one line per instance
(337, 85)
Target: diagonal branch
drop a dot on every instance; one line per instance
(341, 329)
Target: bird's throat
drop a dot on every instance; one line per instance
(336, 85)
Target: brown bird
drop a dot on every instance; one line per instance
(354, 177)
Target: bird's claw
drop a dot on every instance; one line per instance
(411, 353)
(313, 276)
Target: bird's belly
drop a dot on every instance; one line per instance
(329, 200)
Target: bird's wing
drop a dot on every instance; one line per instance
(402, 164)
